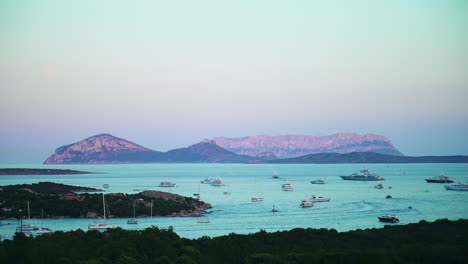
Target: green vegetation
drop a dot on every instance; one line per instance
(57, 201)
(442, 241)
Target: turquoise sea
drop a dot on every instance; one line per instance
(353, 205)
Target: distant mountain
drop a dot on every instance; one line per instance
(103, 149)
(206, 151)
(288, 146)
(107, 149)
(368, 157)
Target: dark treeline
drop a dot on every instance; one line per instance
(442, 241)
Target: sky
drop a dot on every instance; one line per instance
(167, 74)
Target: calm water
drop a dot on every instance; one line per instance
(353, 204)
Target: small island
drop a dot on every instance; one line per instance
(65, 201)
(21, 171)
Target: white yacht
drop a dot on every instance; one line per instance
(166, 184)
(101, 225)
(363, 175)
(217, 182)
(276, 175)
(207, 180)
(319, 181)
(319, 199)
(203, 221)
(287, 187)
(457, 187)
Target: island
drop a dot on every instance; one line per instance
(53, 200)
(21, 171)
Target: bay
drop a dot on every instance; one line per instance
(353, 205)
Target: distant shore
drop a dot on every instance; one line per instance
(21, 171)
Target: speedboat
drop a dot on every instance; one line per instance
(166, 184)
(306, 203)
(217, 182)
(132, 221)
(457, 187)
(363, 175)
(100, 226)
(257, 199)
(105, 185)
(319, 199)
(207, 180)
(276, 175)
(319, 181)
(379, 186)
(440, 179)
(389, 219)
(203, 221)
(287, 187)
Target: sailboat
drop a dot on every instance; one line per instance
(26, 228)
(43, 230)
(133, 221)
(101, 225)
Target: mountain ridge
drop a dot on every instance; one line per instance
(288, 146)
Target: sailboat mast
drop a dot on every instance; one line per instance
(104, 206)
(29, 215)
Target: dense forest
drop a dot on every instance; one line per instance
(58, 200)
(442, 241)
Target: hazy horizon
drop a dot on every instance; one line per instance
(167, 74)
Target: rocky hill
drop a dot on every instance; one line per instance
(288, 146)
(103, 148)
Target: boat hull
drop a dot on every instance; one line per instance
(354, 178)
(439, 181)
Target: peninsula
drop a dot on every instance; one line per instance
(21, 171)
(66, 201)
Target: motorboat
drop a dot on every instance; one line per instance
(166, 184)
(275, 175)
(257, 199)
(306, 203)
(207, 180)
(101, 225)
(227, 193)
(319, 199)
(440, 179)
(388, 196)
(457, 187)
(132, 222)
(379, 186)
(217, 182)
(319, 181)
(389, 219)
(203, 221)
(363, 175)
(287, 187)
(105, 185)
